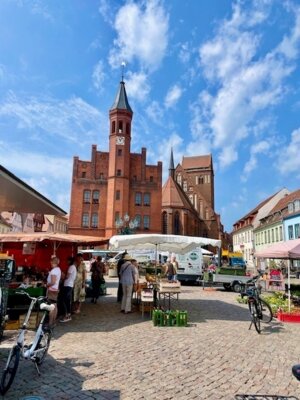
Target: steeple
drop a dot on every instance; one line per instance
(171, 165)
(121, 100)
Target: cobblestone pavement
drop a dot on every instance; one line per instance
(103, 354)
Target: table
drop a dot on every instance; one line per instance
(167, 294)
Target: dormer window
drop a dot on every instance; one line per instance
(297, 205)
(291, 207)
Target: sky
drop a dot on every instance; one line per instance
(217, 76)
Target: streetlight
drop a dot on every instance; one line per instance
(126, 226)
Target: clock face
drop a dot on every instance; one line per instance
(120, 140)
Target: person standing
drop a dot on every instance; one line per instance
(97, 270)
(67, 289)
(53, 288)
(79, 284)
(128, 279)
(170, 270)
(119, 265)
(175, 267)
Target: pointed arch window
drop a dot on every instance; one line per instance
(113, 127)
(164, 222)
(179, 179)
(120, 130)
(176, 223)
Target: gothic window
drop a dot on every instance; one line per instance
(200, 180)
(146, 199)
(138, 198)
(176, 223)
(179, 179)
(120, 127)
(83, 175)
(96, 197)
(134, 178)
(113, 127)
(85, 220)
(206, 214)
(118, 172)
(118, 195)
(146, 222)
(94, 221)
(208, 178)
(151, 178)
(191, 197)
(185, 186)
(119, 152)
(101, 175)
(164, 222)
(86, 196)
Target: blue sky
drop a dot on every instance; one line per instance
(220, 77)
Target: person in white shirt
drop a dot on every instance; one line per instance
(67, 289)
(53, 288)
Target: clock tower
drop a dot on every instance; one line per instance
(120, 116)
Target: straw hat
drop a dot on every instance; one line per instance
(127, 257)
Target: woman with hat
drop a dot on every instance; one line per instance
(128, 278)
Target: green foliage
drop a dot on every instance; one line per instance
(276, 300)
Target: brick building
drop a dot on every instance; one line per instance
(188, 199)
(116, 183)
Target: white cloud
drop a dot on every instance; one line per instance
(289, 156)
(106, 10)
(261, 147)
(74, 120)
(163, 151)
(137, 85)
(98, 75)
(38, 7)
(142, 34)
(155, 112)
(242, 85)
(173, 96)
(184, 53)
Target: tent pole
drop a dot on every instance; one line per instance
(289, 284)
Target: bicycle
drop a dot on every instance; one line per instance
(259, 309)
(36, 351)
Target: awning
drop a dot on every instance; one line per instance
(17, 196)
(289, 249)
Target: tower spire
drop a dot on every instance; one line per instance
(123, 65)
(171, 165)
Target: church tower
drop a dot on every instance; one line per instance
(120, 116)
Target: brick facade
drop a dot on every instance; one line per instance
(115, 183)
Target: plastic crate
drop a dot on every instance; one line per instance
(169, 318)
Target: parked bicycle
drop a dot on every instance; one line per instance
(36, 351)
(259, 309)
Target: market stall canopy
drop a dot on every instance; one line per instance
(17, 196)
(58, 237)
(288, 250)
(171, 243)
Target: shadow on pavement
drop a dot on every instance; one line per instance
(59, 380)
(263, 397)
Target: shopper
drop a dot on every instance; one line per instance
(170, 270)
(119, 265)
(67, 289)
(97, 270)
(79, 284)
(175, 266)
(53, 288)
(128, 279)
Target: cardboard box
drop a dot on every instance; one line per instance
(33, 322)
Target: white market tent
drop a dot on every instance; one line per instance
(289, 250)
(171, 243)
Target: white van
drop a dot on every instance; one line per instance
(190, 267)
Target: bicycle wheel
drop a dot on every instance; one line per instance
(266, 311)
(43, 346)
(254, 315)
(10, 369)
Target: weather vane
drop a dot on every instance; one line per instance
(123, 65)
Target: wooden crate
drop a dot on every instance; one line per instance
(11, 325)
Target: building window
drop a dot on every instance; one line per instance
(101, 175)
(276, 234)
(179, 179)
(119, 152)
(96, 197)
(94, 221)
(151, 178)
(297, 231)
(138, 199)
(134, 178)
(164, 222)
(207, 178)
(200, 180)
(297, 205)
(280, 233)
(146, 222)
(118, 195)
(87, 196)
(83, 174)
(269, 236)
(185, 186)
(291, 232)
(146, 199)
(138, 219)
(176, 223)
(113, 127)
(191, 197)
(85, 220)
(120, 127)
(291, 207)
(272, 235)
(117, 216)
(118, 172)
(128, 128)
(207, 214)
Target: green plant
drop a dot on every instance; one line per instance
(277, 300)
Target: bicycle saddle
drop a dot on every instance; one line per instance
(296, 371)
(47, 307)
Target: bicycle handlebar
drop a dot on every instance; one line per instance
(31, 298)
